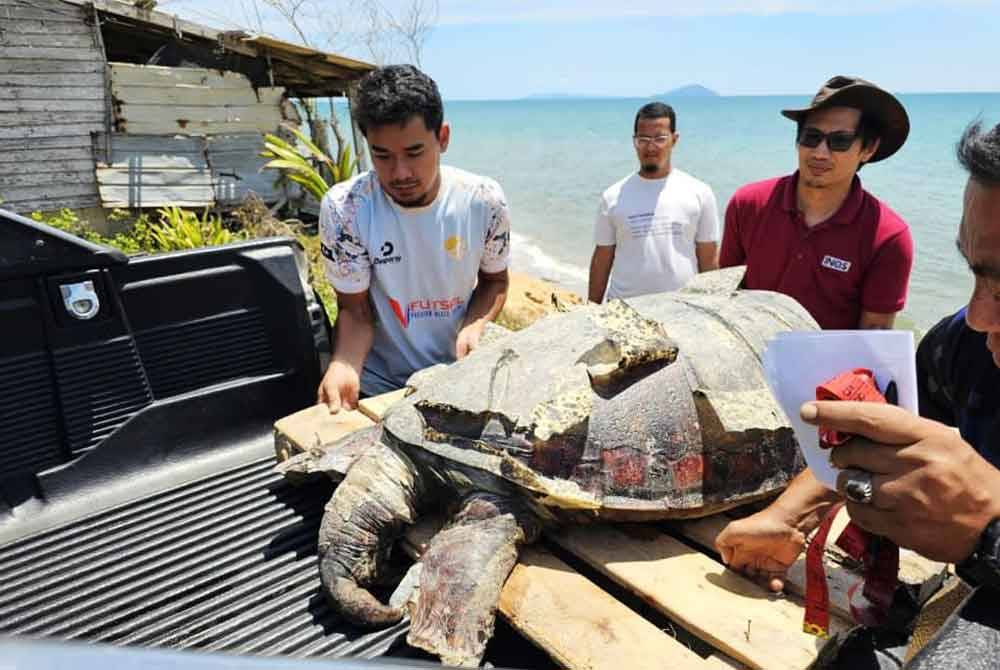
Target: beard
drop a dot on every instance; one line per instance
(649, 168)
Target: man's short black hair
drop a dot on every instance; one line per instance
(396, 93)
(979, 153)
(656, 110)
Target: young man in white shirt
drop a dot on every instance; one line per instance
(416, 251)
(658, 227)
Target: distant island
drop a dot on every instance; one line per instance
(689, 91)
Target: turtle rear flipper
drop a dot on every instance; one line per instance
(463, 570)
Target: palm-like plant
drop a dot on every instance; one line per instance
(301, 169)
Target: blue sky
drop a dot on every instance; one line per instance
(499, 49)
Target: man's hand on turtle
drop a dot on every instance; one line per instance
(340, 387)
(761, 546)
(931, 491)
(468, 338)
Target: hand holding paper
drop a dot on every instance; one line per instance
(796, 364)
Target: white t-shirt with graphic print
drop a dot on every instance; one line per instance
(420, 265)
(654, 224)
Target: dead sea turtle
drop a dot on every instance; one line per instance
(648, 409)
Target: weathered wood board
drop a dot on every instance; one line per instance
(237, 168)
(312, 427)
(375, 406)
(52, 95)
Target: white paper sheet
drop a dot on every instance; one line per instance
(796, 363)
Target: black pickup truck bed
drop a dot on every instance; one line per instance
(137, 502)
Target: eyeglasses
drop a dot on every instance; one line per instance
(838, 140)
(658, 141)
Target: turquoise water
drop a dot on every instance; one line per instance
(554, 158)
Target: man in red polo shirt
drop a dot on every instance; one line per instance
(817, 235)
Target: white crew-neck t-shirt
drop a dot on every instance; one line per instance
(654, 224)
(420, 265)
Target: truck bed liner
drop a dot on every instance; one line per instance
(223, 563)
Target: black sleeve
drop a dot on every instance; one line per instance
(935, 389)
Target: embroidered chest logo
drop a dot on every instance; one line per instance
(387, 255)
(834, 263)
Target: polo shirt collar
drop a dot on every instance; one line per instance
(847, 212)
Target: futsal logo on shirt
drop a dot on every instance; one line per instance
(387, 255)
(425, 308)
(834, 263)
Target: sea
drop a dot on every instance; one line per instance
(553, 159)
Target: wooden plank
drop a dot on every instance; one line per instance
(53, 13)
(200, 129)
(42, 67)
(722, 662)
(237, 168)
(34, 119)
(68, 92)
(49, 205)
(46, 166)
(54, 193)
(57, 142)
(46, 40)
(375, 406)
(140, 196)
(314, 427)
(94, 79)
(580, 625)
(147, 179)
(196, 96)
(52, 130)
(130, 74)
(28, 177)
(93, 105)
(45, 51)
(732, 613)
(224, 113)
(128, 147)
(36, 26)
(39, 159)
(572, 619)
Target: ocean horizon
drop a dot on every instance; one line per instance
(554, 157)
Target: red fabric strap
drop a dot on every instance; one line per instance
(857, 385)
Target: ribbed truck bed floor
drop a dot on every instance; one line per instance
(226, 563)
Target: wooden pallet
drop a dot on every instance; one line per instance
(671, 567)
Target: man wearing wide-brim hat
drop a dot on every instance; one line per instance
(817, 235)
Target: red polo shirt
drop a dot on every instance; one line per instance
(857, 260)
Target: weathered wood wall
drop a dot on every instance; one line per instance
(52, 96)
(157, 170)
(187, 136)
(157, 100)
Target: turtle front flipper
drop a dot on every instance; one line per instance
(464, 569)
(381, 494)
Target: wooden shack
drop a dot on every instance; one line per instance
(104, 105)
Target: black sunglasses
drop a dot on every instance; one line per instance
(838, 140)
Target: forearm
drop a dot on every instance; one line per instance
(708, 256)
(600, 271)
(355, 334)
(804, 503)
(487, 300)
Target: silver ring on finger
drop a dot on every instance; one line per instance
(858, 486)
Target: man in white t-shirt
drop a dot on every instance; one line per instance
(416, 251)
(657, 228)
